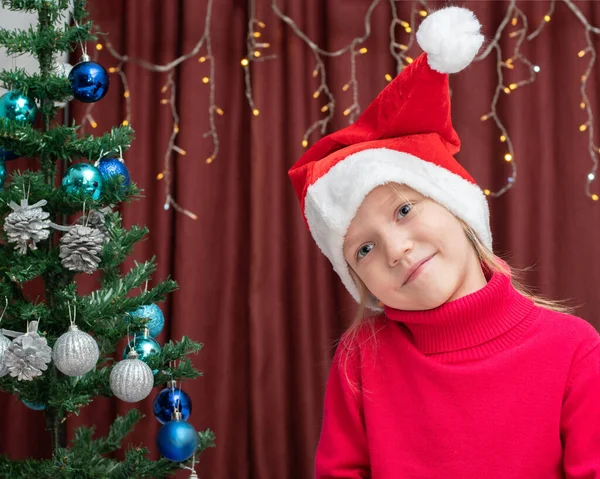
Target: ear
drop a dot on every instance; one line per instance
(380, 304)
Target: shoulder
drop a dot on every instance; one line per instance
(572, 332)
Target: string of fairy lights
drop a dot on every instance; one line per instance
(515, 24)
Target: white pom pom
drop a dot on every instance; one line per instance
(451, 39)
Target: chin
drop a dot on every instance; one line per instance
(429, 298)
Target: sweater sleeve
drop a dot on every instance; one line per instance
(342, 451)
(580, 418)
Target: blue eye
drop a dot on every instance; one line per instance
(364, 251)
(404, 210)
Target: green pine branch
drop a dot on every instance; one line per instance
(62, 142)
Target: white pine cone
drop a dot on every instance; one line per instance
(27, 356)
(27, 225)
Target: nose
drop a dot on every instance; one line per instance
(397, 246)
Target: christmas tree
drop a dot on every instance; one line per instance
(59, 220)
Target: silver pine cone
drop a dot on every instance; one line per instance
(27, 356)
(27, 225)
(80, 249)
(95, 219)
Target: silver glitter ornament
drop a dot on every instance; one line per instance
(75, 352)
(28, 354)
(131, 380)
(4, 344)
(27, 225)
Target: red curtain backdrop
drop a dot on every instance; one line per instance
(253, 286)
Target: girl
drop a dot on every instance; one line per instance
(462, 375)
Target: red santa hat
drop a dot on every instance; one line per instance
(405, 136)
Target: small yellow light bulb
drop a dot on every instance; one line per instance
(409, 60)
(160, 176)
(112, 70)
(256, 34)
(512, 86)
(388, 77)
(583, 78)
(547, 18)
(581, 53)
(94, 124)
(346, 111)
(244, 62)
(502, 138)
(201, 59)
(486, 192)
(126, 94)
(508, 157)
(484, 117)
(164, 89)
(403, 47)
(125, 123)
(316, 94)
(209, 160)
(506, 90)
(582, 105)
(408, 29)
(175, 128)
(164, 101)
(256, 53)
(261, 24)
(514, 21)
(595, 197)
(345, 87)
(363, 50)
(219, 111)
(304, 143)
(255, 112)
(205, 80)
(582, 127)
(99, 46)
(324, 108)
(423, 13)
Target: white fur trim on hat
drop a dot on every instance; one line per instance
(451, 38)
(333, 200)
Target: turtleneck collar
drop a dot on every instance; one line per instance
(478, 324)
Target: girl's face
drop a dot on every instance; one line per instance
(411, 253)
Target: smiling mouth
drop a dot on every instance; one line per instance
(416, 271)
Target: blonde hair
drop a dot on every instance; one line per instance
(489, 261)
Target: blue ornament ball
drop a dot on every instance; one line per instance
(110, 167)
(7, 155)
(89, 81)
(166, 401)
(177, 440)
(85, 178)
(144, 345)
(155, 316)
(16, 106)
(3, 174)
(34, 406)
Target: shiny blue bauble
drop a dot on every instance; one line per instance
(85, 178)
(34, 406)
(144, 345)
(16, 106)
(3, 174)
(177, 440)
(7, 155)
(89, 81)
(110, 167)
(155, 316)
(167, 400)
